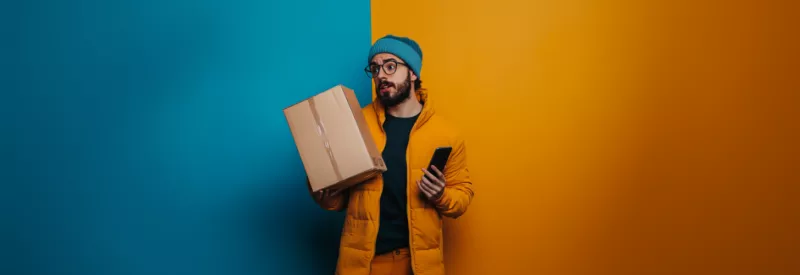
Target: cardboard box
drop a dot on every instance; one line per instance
(333, 139)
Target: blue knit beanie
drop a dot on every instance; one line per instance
(402, 47)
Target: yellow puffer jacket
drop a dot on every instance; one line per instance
(362, 202)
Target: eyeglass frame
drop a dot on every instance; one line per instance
(391, 60)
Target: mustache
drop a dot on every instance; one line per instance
(386, 83)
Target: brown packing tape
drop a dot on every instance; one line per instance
(323, 135)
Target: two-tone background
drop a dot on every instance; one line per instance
(604, 137)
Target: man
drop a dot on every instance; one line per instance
(393, 221)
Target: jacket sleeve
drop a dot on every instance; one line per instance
(458, 191)
(336, 202)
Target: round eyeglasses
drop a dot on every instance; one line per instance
(389, 68)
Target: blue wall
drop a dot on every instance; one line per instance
(147, 138)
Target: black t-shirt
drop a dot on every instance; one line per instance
(393, 226)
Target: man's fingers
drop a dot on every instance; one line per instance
(436, 188)
(424, 189)
(329, 192)
(429, 175)
(425, 183)
(438, 173)
(430, 188)
(435, 180)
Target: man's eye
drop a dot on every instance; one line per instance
(390, 67)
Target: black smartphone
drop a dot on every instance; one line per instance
(439, 159)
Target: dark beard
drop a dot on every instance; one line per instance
(403, 91)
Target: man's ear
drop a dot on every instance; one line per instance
(413, 76)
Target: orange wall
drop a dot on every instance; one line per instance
(617, 137)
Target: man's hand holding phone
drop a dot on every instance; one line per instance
(432, 184)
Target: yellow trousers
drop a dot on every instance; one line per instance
(397, 262)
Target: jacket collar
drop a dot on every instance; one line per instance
(425, 115)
